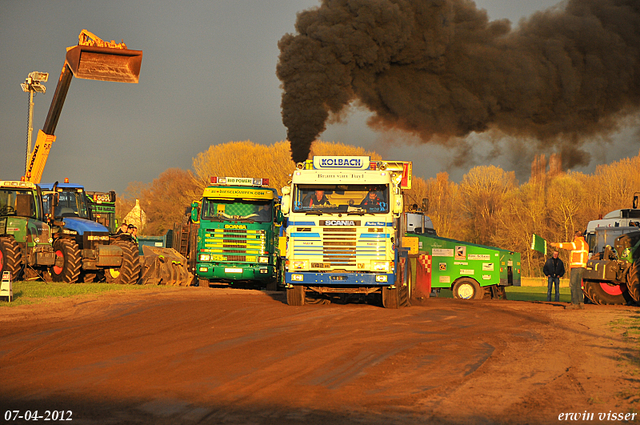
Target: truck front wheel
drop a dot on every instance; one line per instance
(296, 295)
(68, 261)
(467, 289)
(390, 297)
(10, 257)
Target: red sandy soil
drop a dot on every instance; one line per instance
(233, 356)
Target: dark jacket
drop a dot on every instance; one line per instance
(312, 200)
(554, 267)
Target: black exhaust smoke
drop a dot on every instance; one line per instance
(440, 69)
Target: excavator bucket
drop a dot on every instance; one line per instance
(105, 63)
(164, 266)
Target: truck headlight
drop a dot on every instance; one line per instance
(297, 277)
(300, 265)
(381, 278)
(205, 257)
(380, 266)
(263, 260)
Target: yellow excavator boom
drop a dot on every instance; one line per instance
(92, 59)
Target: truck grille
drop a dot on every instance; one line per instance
(339, 247)
(235, 244)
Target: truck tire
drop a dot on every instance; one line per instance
(466, 288)
(296, 295)
(603, 293)
(68, 261)
(390, 297)
(10, 258)
(405, 291)
(129, 272)
(633, 281)
(399, 296)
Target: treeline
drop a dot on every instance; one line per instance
(489, 206)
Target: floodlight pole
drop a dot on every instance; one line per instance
(32, 85)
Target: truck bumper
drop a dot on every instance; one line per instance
(236, 272)
(340, 279)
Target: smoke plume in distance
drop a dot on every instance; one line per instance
(439, 69)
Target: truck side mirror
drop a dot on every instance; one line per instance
(194, 212)
(398, 204)
(286, 200)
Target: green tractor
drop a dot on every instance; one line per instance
(612, 275)
(26, 249)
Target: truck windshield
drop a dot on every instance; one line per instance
(71, 203)
(223, 210)
(352, 198)
(17, 202)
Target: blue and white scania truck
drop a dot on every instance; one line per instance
(343, 233)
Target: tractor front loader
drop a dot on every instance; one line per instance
(92, 59)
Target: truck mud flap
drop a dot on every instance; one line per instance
(164, 266)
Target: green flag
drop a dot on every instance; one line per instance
(539, 244)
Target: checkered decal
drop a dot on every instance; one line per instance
(425, 260)
(423, 276)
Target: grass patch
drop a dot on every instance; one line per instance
(524, 293)
(25, 293)
(629, 357)
(535, 293)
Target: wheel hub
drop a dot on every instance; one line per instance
(466, 291)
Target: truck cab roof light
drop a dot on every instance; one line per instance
(242, 181)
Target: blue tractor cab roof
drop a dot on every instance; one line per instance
(49, 186)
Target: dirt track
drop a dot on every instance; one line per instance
(210, 356)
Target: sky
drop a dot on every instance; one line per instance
(207, 77)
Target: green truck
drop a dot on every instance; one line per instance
(469, 270)
(103, 209)
(238, 235)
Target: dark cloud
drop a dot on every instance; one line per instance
(439, 69)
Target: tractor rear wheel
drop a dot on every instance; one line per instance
(633, 281)
(296, 295)
(10, 257)
(605, 293)
(129, 271)
(467, 289)
(68, 261)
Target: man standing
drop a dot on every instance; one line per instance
(554, 270)
(578, 261)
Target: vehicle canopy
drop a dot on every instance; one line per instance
(20, 199)
(72, 207)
